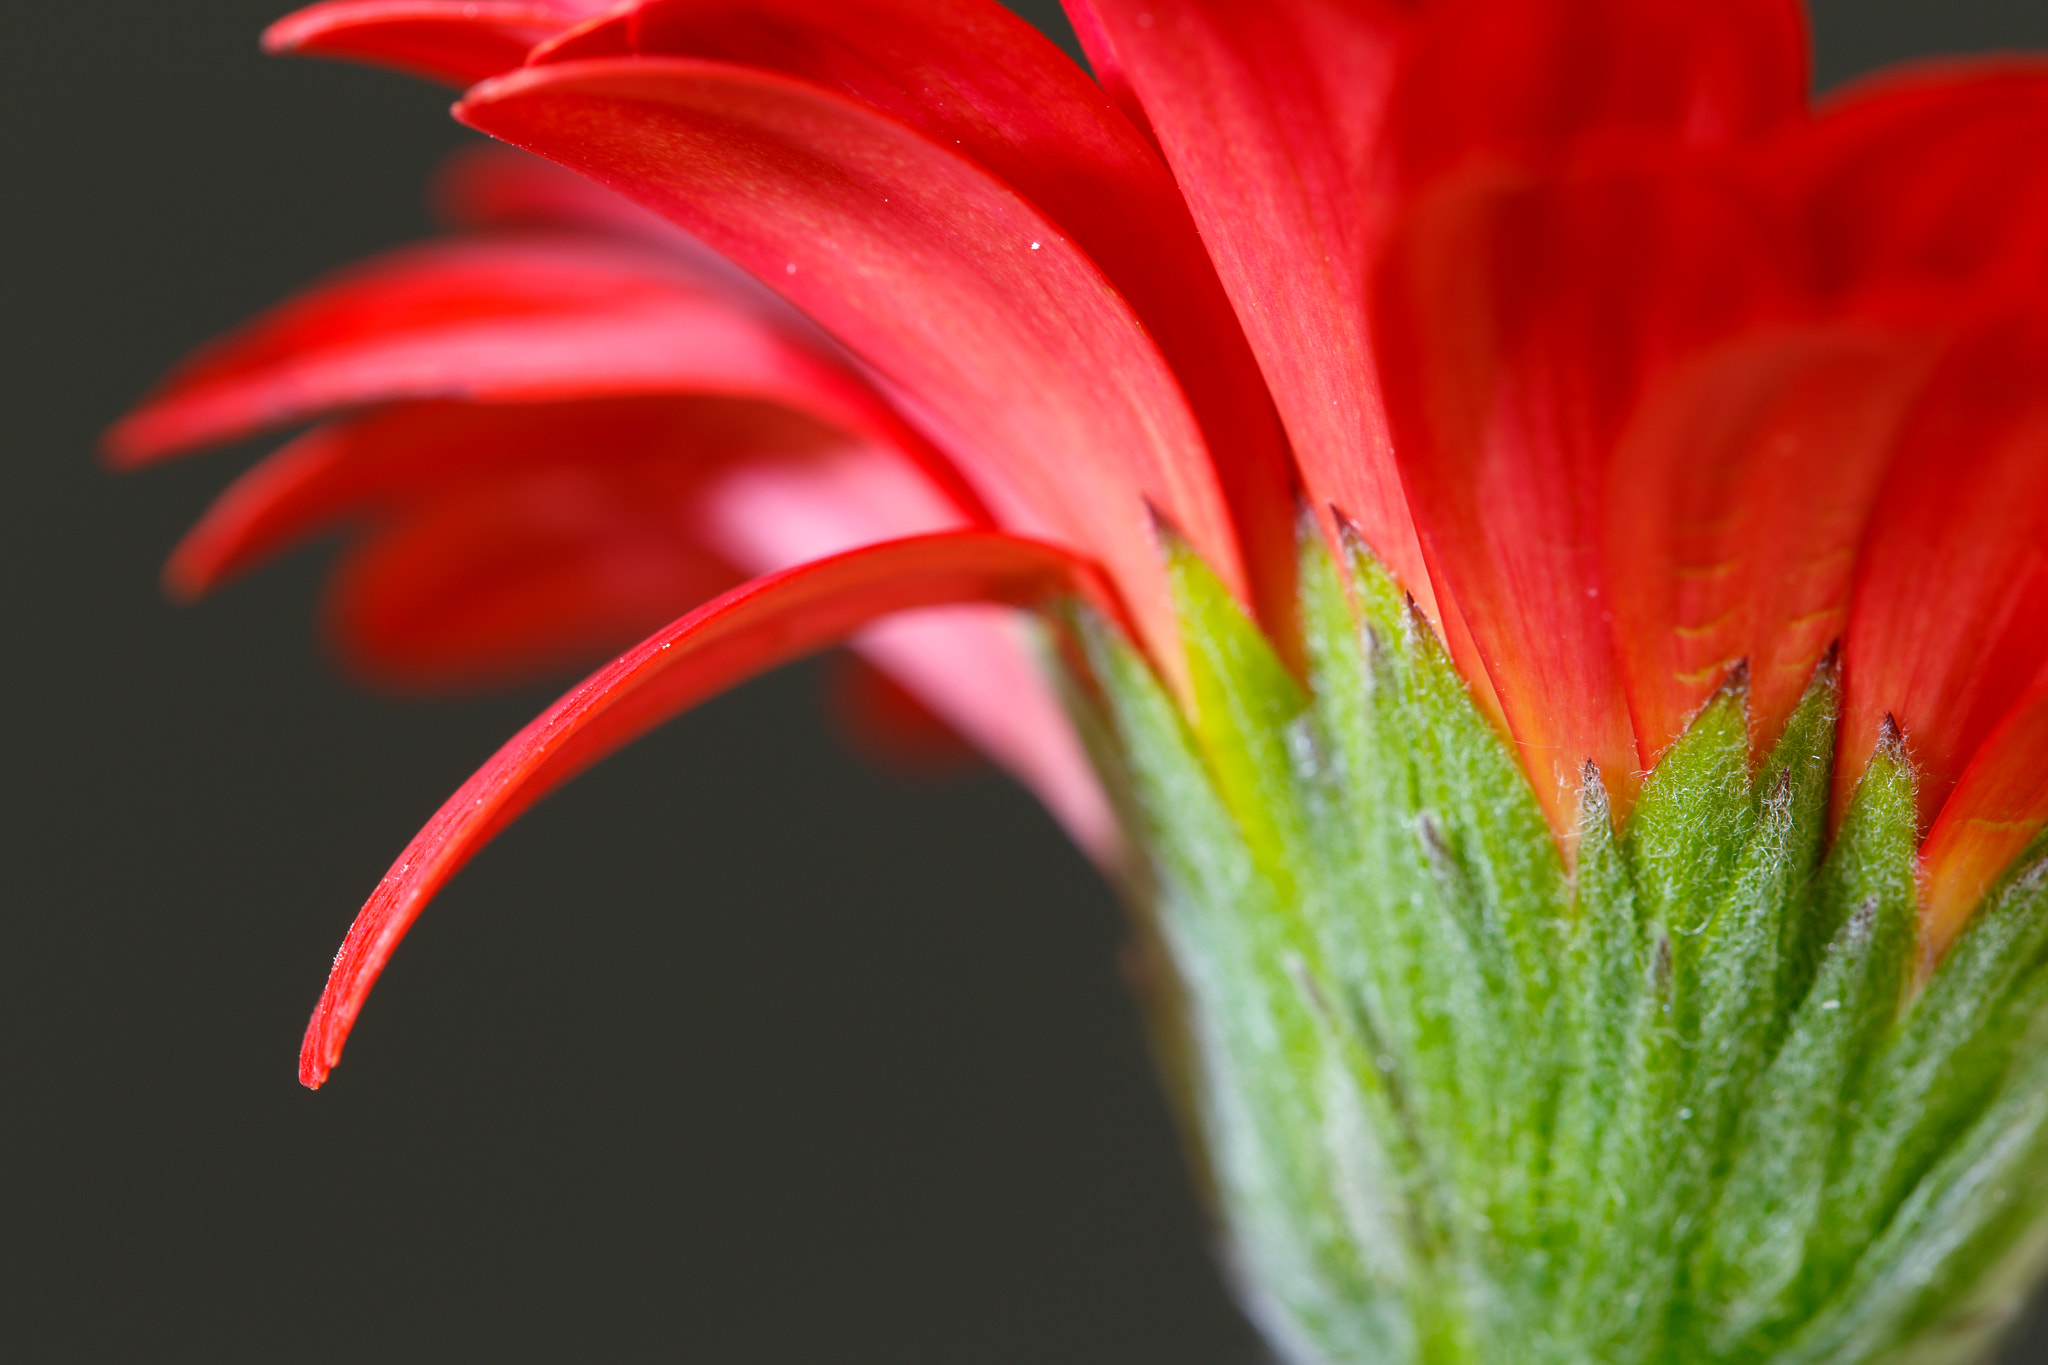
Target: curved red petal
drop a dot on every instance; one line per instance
(970, 665)
(457, 42)
(974, 78)
(975, 306)
(379, 462)
(1999, 807)
(514, 541)
(508, 320)
(1949, 622)
(743, 633)
(1521, 325)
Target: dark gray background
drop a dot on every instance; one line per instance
(736, 1051)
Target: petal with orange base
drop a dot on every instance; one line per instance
(1736, 500)
(1999, 807)
(1949, 623)
(1521, 325)
(743, 633)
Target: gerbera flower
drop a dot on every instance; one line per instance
(1539, 533)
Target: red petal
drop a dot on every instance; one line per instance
(968, 664)
(521, 540)
(1924, 181)
(387, 459)
(504, 320)
(1736, 501)
(1007, 338)
(535, 573)
(1093, 36)
(571, 558)
(1526, 81)
(1520, 327)
(747, 631)
(488, 186)
(973, 77)
(1999, 806)
(1950, 619)
(1270, 116)
(457, 42)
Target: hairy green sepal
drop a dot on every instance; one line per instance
(1455, 1103)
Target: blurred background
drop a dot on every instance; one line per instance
(738, 1050)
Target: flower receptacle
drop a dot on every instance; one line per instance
(1458, 1100)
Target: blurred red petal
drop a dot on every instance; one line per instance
(534, 573)
(1527, 82)
(601, 551)
(1926, 182)
(526, 320)
(376, 463)
(889, 723)
(745, 632)
(490, 187)
(971, 665)
(1015, 346)
(975, 668)
(457, 42)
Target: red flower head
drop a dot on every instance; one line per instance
(1635, 372)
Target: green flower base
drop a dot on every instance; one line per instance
(1457, 1104)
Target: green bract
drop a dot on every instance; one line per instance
(1689, 1102)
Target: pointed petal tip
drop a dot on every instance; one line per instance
(283, 36)
(757, 626)
(128, 443)
(183, 582)
(318, 1052)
